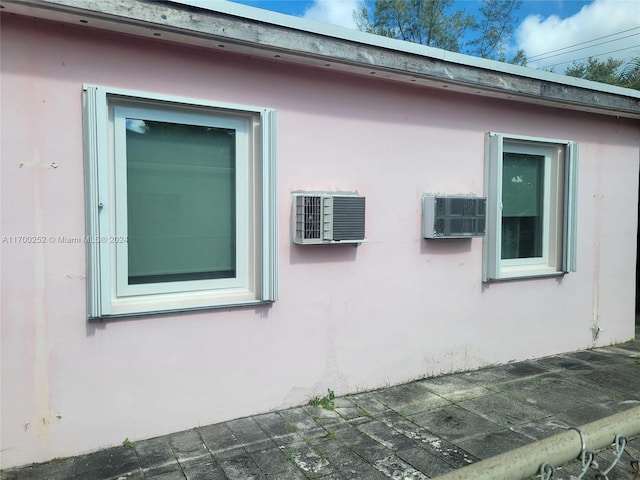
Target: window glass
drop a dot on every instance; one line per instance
(522, 205)
(180, 201)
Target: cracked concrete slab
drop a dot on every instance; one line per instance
(494, 443)
(554, 394)
(206, 470)
(188, 445)
(427, 463)
(502, 410)
(241, 468)
(166, 470)
(250, 435)
(386, 436)
(272, 462)
(113, 462)
(406, 397)
(454, 423)
(369, 403)
(155, 451)
(274, 425)
(310, 461)
(395, 467)
(543, 428)
(616, 382)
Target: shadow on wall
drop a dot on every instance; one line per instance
(322, 253)
(300, 254)
(445, 246)
(96, 326)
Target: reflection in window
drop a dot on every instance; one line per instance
(180, 202)
(522, 205)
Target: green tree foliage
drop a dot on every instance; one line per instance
(437, 24)
(596, 70)
(494, 26)
(429, 22)
(630, 75)
(611, 71)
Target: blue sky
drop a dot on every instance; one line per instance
(553, 33)
(545, 8)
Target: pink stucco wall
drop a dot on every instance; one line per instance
(395, 309)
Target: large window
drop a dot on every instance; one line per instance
(181, 203)
(531, 213)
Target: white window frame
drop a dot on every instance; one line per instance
(109, 294)
(559, 207)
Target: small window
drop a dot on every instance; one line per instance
(531, 217)
(181, 203)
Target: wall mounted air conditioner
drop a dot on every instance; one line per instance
(453, 216)
(328, 217)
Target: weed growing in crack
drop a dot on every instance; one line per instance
(288, 454)
(326, 402)
(364, 413)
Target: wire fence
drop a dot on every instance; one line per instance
(596, 465)
(600, 450)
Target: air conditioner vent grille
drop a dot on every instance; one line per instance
(453, 216)
(348, 218)
(308, 217)
(328, 217)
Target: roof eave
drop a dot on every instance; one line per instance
(250, 31)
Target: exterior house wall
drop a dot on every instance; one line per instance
(395, 309)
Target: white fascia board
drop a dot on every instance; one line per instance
(369, 39)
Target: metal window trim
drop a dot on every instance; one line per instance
(138, 95)
(269, 134)
(91, 103)
(494, 148)
(493, 179)
(98, 183)
(570, 230)
(184, 115)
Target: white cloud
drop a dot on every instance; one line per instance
(619, 20)
(335, 12)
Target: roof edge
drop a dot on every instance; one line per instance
(231, 27)
(229, 7)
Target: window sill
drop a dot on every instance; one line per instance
(133, 315)
(525, 274)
